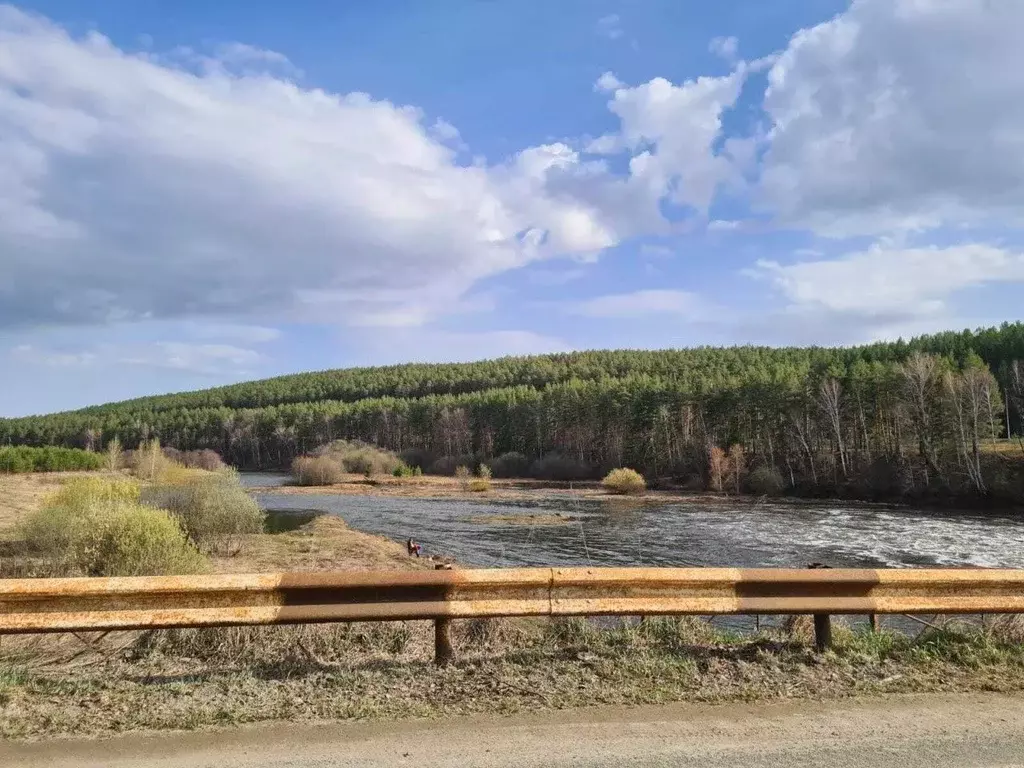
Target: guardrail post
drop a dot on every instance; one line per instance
(822, 631)
(822, 623)
(873, 622)
(444, 653)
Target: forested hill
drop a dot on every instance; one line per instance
(700, 369)
(805, 413)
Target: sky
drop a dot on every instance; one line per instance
(195, 193)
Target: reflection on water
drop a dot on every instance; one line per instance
(282, 521)
(633, 532)
(263, 479)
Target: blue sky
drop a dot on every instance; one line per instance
(235, 190)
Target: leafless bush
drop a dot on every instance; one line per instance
(317, 470)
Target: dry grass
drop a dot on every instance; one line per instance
(323, 544)
(207, 678)
(1009, 448)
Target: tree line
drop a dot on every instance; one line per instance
(880, 420)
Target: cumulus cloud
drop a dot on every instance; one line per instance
(673, 131)
(898, 114)
(137, 189)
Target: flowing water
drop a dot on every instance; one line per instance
(631, 532)
(560, 532)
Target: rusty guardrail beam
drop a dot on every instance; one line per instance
(82, 604)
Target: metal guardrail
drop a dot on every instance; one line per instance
(82, 604)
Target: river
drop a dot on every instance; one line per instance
(630, 532)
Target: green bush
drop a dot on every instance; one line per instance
(23, 458)
(98, 528)
(765, 480)
(317, 470)
(404, 470)
(624, 481)
(213, 509)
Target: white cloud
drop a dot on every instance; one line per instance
(445, 131)
(899, 114)
(657, 251)
(608, 82)
(905, 282)
(247, 57)
(135, 189)
(610, 26)
(248, 334)
(643, 303)
(197, 358)
(27, 353)
(673, 129)
(725, 47)
(212, 358)
(551, 277)
(724, 225)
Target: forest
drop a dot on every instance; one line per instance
(938, 415)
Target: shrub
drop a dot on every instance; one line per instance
(765, 480)
(317, 470)
(462, 472)
(555, 466)
(23, 458)
(483, 471)
(477, 485)
(624, 481)
(404, 470)
(96, 527)
(113, 457)
(82, 493)
(511, 464)
(148, 462)
(214, 510)
(361, 458)
(207, 460)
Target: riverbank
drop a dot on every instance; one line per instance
(439, 487)
(514, 490)
(319, 544)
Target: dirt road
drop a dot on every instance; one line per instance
(906, 732)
